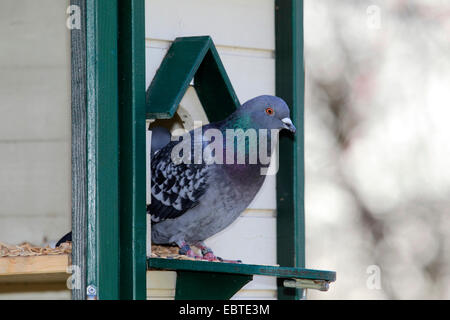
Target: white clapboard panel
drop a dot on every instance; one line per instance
(39, 99)
(236, 23)
(34, 180)
(33, 34)
(161, 285)
(248, 58)
(250, 75)
(36, 229)
(40, 295)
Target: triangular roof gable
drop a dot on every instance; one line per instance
(191, 58)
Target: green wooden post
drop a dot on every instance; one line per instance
(131, 64)
(102, 261)
(290, 178)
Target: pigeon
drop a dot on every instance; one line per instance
(193, 200)
(66, 238)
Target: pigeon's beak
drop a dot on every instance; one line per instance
(288, 124)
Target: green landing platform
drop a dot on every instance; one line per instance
(219, 280)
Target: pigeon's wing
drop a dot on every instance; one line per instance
(176, 188)
(160, 138)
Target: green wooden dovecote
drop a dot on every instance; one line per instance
(109, 106)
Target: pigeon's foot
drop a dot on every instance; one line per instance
(186, 250)
(209, 255)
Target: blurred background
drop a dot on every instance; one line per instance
(376, 151)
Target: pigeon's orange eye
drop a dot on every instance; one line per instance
(270, 111)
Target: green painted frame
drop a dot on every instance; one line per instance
(289, 84)
(102, 127)
(108, 72)
(131, 70)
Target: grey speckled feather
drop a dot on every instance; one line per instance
(192, 202)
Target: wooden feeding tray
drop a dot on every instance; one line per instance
(29, 268)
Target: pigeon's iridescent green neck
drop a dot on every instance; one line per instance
(241, 124)
(238, 120)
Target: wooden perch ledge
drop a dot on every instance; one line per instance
(29, 264)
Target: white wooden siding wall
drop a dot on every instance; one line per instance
(34, 124)
(243, 32)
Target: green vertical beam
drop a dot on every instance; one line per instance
(290, 178)
(132, 149)
(102, 150)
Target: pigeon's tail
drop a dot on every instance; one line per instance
(67, 237)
